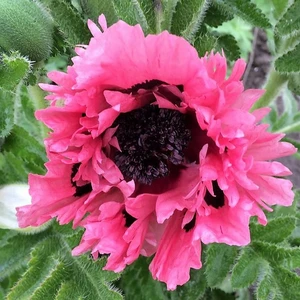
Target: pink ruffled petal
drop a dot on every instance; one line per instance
(178, 251)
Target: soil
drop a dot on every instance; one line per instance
(255, 76)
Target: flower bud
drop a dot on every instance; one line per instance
(12, 196)
(27, 27)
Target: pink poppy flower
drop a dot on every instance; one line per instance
(153, 151)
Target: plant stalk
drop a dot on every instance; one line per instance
(36, 96)
(273, 87)
(159, 16)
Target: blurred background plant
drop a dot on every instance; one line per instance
(39, 36)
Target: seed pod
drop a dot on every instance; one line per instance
(27, 27)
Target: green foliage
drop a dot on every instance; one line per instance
(286, 62)
(247, 269)
(287, 42)
(294, 83)
(144, 11)
(6, 112)
(27, 27)
(24, 114)
(205, 43)
(137, 12)
(137, 283)
(194, 288)
(268, 289)
(246, 10)
(290, 21)
(125, 11)
(229, 45)
(13, 68)
(188, 17)
(94, 8)
(276, 231)
(219, 261)
(268, 264)
(217, 294)
(216, 16)
(169, 7)
(20, 154)
(68, 21)
(289, 120)
(52, 272)
(279, 7)
(22, 144)
(243, 36)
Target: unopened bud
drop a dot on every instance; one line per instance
(12, 196)
(27, 27)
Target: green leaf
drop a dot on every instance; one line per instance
(229, 45)
(53, 273)
(20, 154)
(13, 69)
(26, 148)
(94, 8)
(267, 289)
(219, 261)
(217, 294)
(24, 115)
(137, 282)
(216, 16)
(12, 169)
(7, 100)
(144, 11)
(169, 7)
(276, 231)
(290, 21)
(289, 128)
(246, 10)
(20, 246)
(281, 121)
(294, 83)
(68, 21)
(188, 17)
(205, 43)
(193, 289)
(247, 268)
(286, 62)
(125, 11)
(136, 12)
(288, 283)
(278, 255)
(279, 7)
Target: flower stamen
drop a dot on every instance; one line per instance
(150, 139)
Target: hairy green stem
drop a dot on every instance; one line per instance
(273, 87)
(36, 96)
(169, 9)
(159, 15)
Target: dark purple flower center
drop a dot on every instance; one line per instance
(80, 190)
(151, 139)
